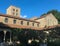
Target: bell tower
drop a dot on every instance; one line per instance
(13, 11)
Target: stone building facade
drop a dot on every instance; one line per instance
(13, 18)
(47, 20)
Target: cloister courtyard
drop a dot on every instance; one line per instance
(28, 37)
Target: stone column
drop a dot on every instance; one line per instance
(4, 34)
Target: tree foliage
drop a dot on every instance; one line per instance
(23, 35)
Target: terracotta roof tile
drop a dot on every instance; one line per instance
(29, 27)
(21, 26)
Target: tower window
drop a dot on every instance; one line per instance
(16, 10)
(6, 20)
(14, 21)
(13, 9)
(21, 22)
(27, 23)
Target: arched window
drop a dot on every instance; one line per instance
(14, 21)
(17, 10)
(27, 23)
(21, 22)
(6, 20)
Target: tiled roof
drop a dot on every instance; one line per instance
(26, 27)
(21, 26)
(30, 27)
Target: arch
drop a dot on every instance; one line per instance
(5, 36)
(1, 36)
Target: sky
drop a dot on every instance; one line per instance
(30, 8)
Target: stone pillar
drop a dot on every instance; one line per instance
(4, 34)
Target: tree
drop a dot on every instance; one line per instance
(57, 15)
(53, 12)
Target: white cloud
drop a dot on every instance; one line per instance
(23, 16)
